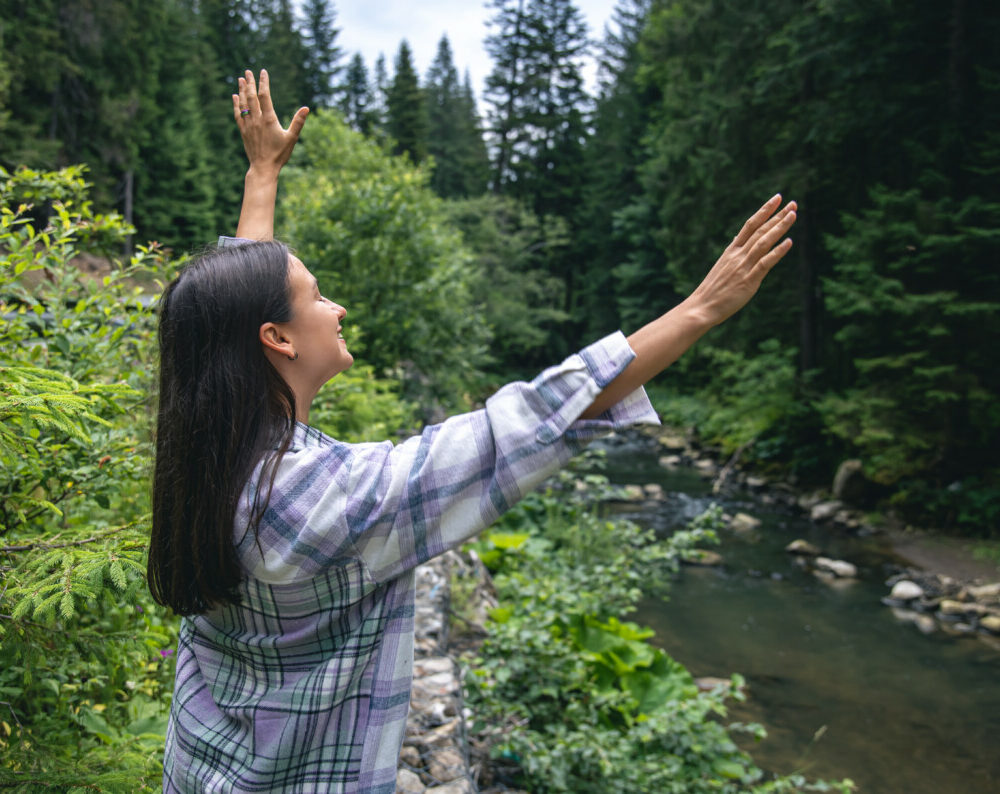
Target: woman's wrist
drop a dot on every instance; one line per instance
(262, 176)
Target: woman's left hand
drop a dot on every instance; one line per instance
(268, 145)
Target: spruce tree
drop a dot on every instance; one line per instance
(323, 56)
(356, 100)
(454, 138)
(406, 108)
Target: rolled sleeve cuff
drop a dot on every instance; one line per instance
(606, 359)
(228, 242)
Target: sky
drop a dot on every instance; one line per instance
(377, 26)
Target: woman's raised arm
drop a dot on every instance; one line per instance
(727, 288)
(268, 146)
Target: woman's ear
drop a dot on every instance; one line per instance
(272, 339)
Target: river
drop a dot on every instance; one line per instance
(843, 688)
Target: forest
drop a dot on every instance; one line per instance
(477, 234)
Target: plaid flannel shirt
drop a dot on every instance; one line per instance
(305, 684)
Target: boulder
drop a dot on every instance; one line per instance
(839, 568)
(702, 557)
(991, 623)
(953, 608)
(672, 440)
(803, 548)
(634, 493)
(671, 461)
(744, 522)
(756, 483)
(850, 484)
(653, 490)
(985, 591)
(824, 511)
(906, 590)
(446, 765)
(408, 782)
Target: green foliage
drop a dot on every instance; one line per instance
(81, 677)
(379, 242)
(356, 406)
(406, 108)
(577, 697)
(520, 301)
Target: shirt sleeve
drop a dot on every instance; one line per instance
(408, 503)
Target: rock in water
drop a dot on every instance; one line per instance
(906, 591)
(824, 511)
(839, 568)
(803, 548)
(702, 557)
(744, 522)
(991, 623)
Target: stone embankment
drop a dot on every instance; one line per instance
(439, 756)
(434, 759)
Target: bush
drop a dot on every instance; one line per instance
(574, 694)
(84, 662)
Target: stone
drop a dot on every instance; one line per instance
(433, 666)
(442, 736)
(702, 557)
(446, 765)
(634, 493)
(707, 683)
(408, 782)
(836, 582)
(985, 591)
(410, 755)
(756, 483)
(906, 590)
(744, 522)
(454, 787)
(705, 467)
(671, 461)
(991, 623)
(850, 484)
(824, 511)
(839, 568)
(953, 607)
(653, 490)
(672, 441)
(802, 547)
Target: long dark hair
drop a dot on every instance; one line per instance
(222, 409)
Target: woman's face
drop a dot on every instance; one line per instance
(315, 328)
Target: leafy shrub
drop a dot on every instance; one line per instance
(575, 694)
(82, 677)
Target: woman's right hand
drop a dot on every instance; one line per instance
(268, 145)
(738, 273)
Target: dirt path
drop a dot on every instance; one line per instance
(944, 555)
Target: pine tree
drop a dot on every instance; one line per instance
(406, 108)
(356, 100)
(454, 138)
(323, 55)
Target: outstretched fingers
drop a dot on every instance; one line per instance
(774, 256)
(763, 248)
(758, 219)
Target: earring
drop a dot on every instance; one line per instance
(293, 358)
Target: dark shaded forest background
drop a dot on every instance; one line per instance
(569, 215)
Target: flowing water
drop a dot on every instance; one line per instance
(843, 688)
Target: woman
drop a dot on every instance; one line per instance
(290, 554)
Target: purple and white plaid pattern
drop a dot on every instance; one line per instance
(305, 684)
